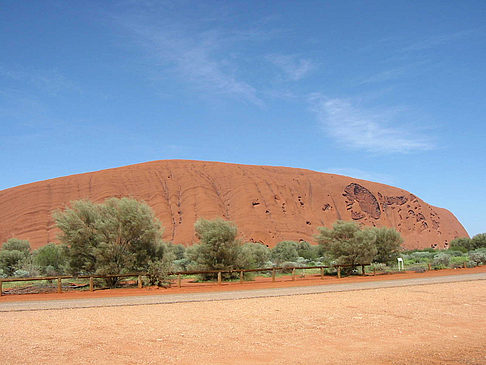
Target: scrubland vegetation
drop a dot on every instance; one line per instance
(124, 236)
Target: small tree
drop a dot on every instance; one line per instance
(461, 243)
(387, 243)
(307, 251)
(15, 244)
(347, 243)
(254, 255)
(218, 249)
(285, 251)
(13, 254)
(118, 236)
(11, 261)
(50, 259)
(478, 241)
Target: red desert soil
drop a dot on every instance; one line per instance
(258, 283)
(429, 324)
(269, 204)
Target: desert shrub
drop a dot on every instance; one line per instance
(458, 261)
(307, 251)
(441, 260)
(478, 256)
(117, 236)
(177, 250)
(460, 243)
(347, 243)
(377, 266)
(285, 251)
(11, 260)
(387, 243)
(478, 241)
(288, 266)
(425, 256)
(15, 244)
(50, 259)
(21, 273)
(158, 272)
(254, 255)
(218, 248)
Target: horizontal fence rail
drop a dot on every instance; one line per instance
(180, 274)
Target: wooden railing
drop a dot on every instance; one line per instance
(180, 274)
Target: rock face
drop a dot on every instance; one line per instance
(268, 204)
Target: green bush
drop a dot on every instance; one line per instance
(11, 260)
(478, 256)
(377, 266)
(387, 243)
(218, 248)
(347, 243)
(441, 260)
(458, 261)
(158, 273)
(21, 273)
(478, 241)
(117, 236)
(254, 255)
(50, 259)
(307, 251)
(285, 251)
(15, 244)
(288, 266)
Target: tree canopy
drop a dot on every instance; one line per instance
(117, 236)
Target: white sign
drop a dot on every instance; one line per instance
(400, 263)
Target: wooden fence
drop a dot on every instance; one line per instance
(180, 274)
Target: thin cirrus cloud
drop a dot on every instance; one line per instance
(363, 129)
(195, 58)
(51, 82)
(293, 68)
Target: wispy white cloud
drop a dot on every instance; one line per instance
(293, 67)
(437, 40)
(365, 129)
(198, 58)
(362, 174)
(51, 82)
(383, 76)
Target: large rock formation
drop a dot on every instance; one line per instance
(269, 204)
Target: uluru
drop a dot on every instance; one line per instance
(268, 204)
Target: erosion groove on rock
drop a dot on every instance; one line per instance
(269, 204)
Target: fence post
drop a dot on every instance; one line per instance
(59, 285)
(1, 291)
(339, 272)
(179, 280)
(241, 276)
(374, 271)
(293, 273)
(322, 273)
(362, 270)
(273, 274)
(91, 284)
(139, 282)
(430, 268)
(219, 277)
(464, 265)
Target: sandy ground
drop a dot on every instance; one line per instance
(425, 324)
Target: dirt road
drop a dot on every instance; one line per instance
(228, 295)
(441, 323)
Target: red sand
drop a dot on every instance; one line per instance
(259, 283)
(269, 204)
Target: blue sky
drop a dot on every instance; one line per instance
(389, 91)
